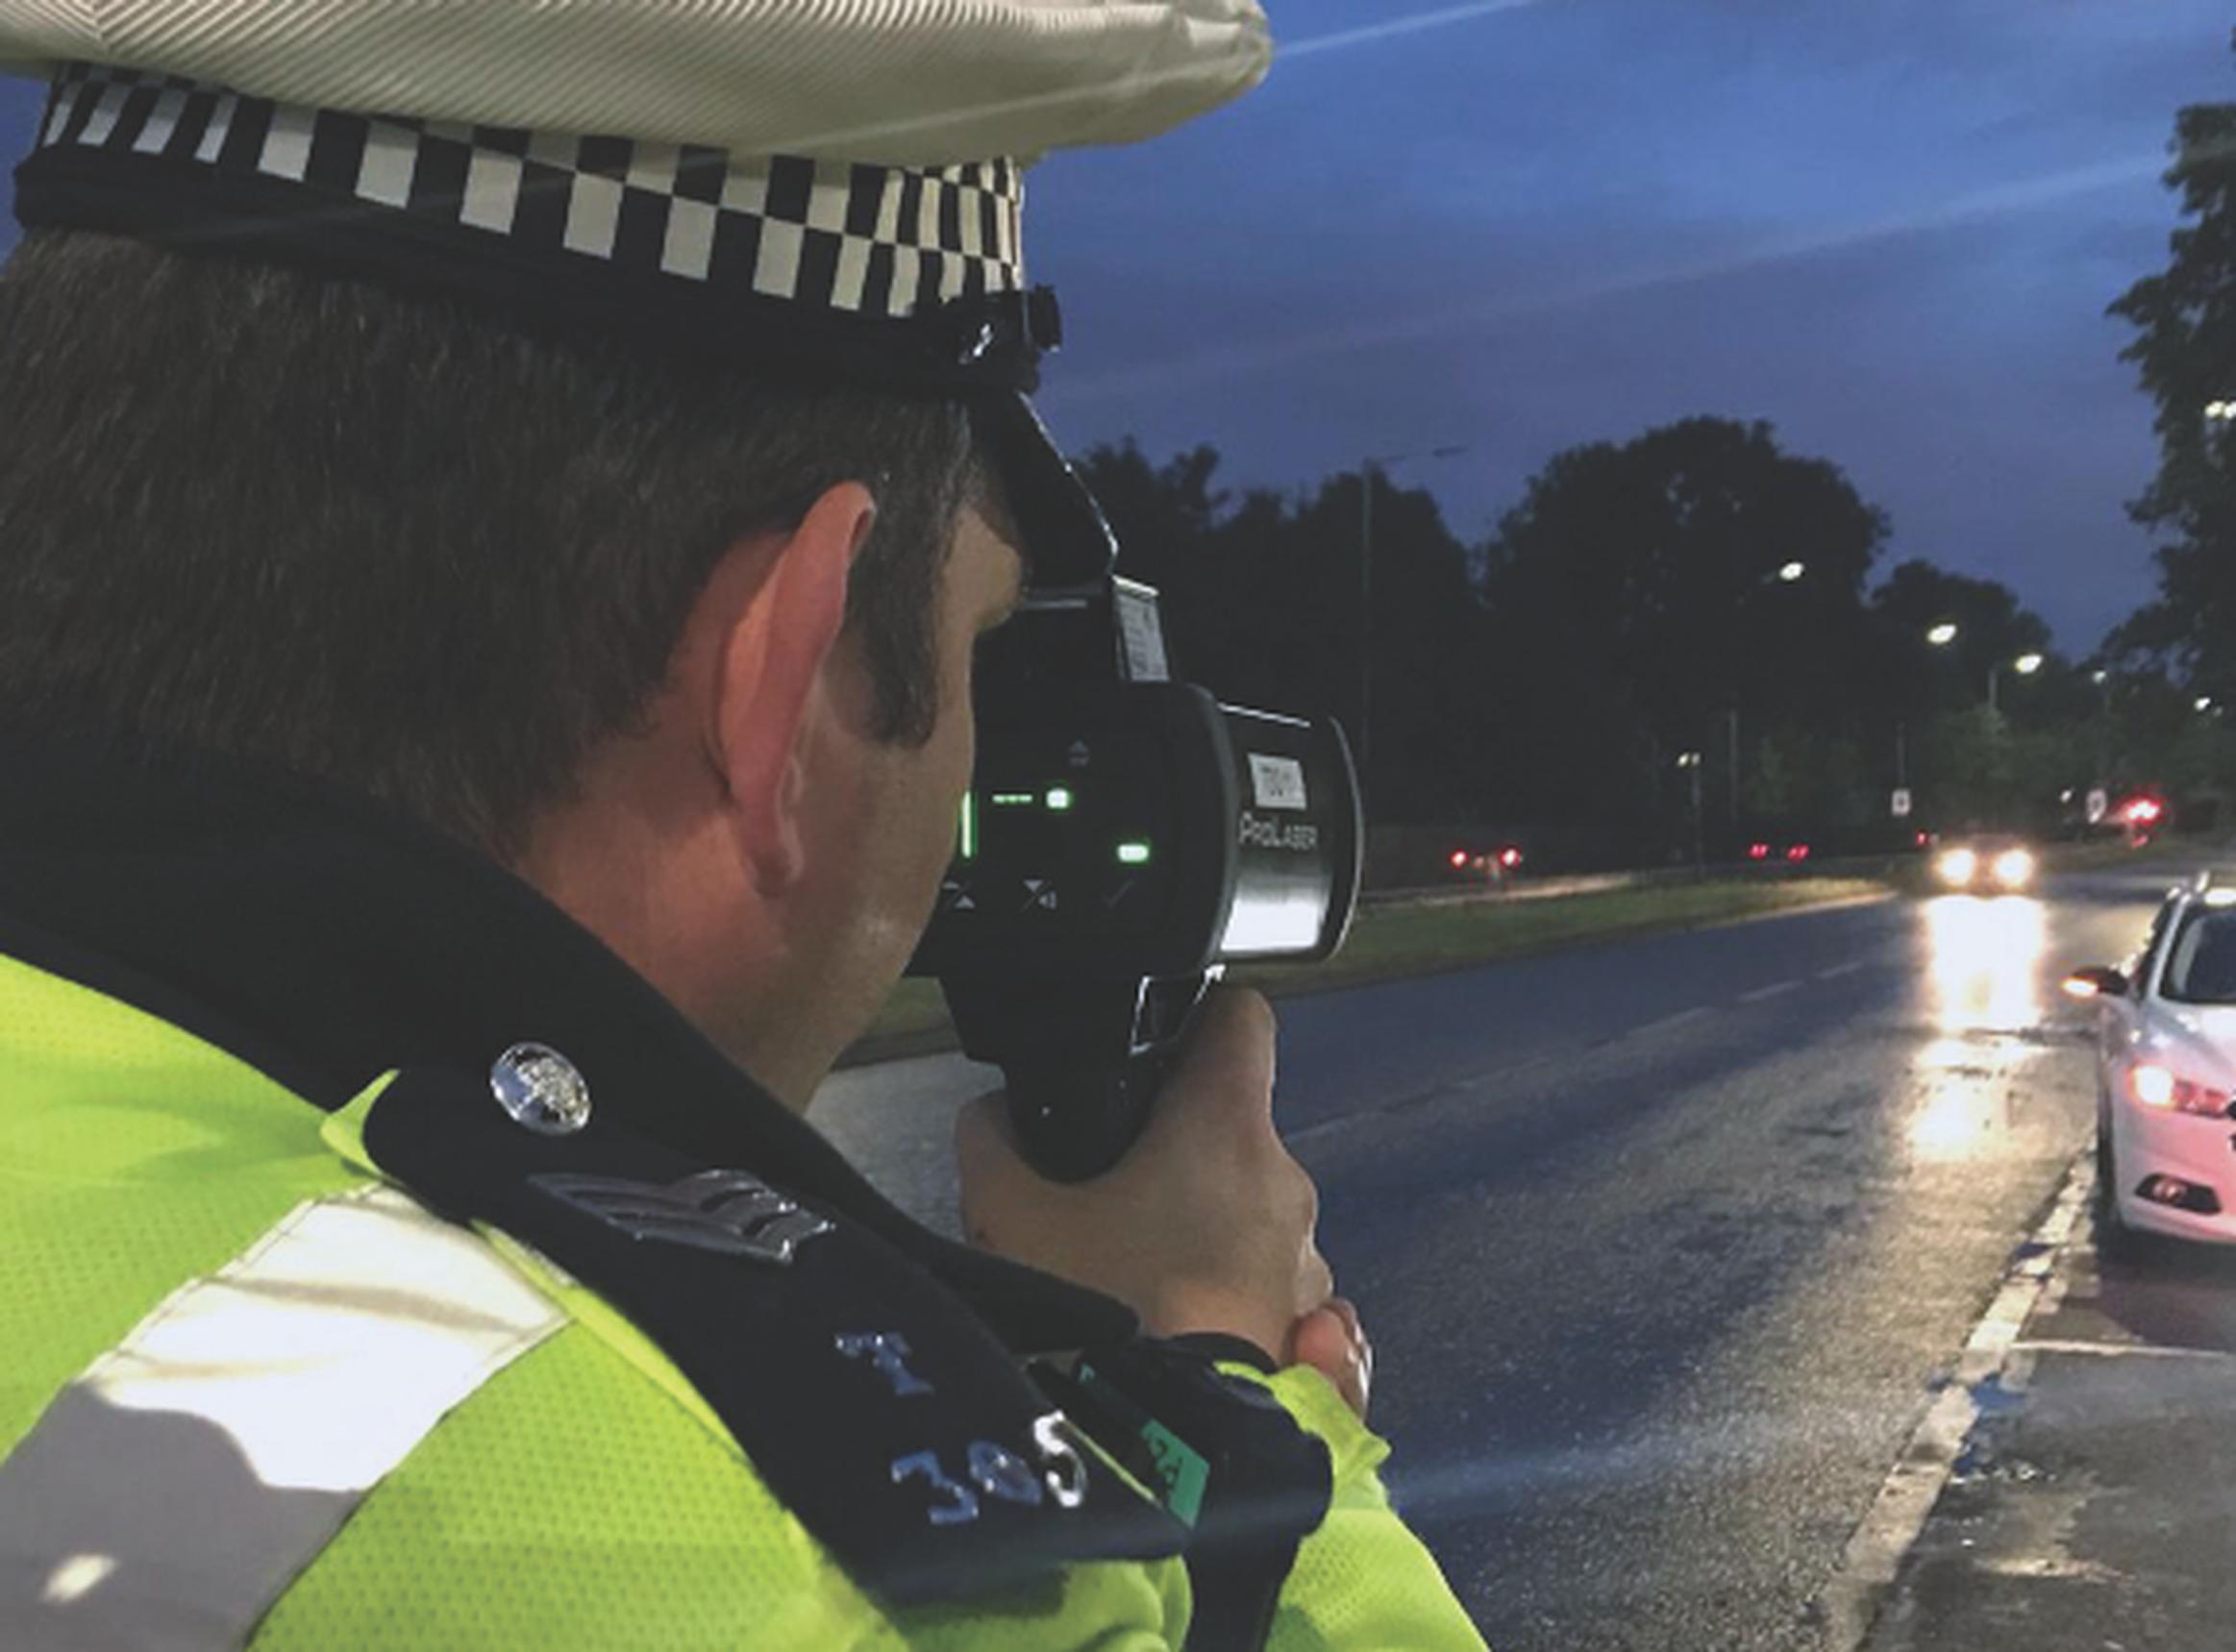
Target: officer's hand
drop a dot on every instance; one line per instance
(1204, 1226)
(1330, 1340)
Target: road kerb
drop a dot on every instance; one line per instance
(1873, 1555)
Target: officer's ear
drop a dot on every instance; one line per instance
(770, 683)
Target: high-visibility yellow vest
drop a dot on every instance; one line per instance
(255, 1393)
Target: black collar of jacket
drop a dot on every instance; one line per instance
(326, 940)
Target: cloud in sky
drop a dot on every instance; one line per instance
(1518, 224)
(1891, 229)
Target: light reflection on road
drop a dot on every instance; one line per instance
(1984, 973)
(1983, 961)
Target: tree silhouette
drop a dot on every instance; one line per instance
(1630, 608)
(1261, 604)
(2185, 355)
(1638, 603)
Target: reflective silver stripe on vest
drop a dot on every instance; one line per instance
(169, 1496)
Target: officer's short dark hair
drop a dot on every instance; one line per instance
(383, 540)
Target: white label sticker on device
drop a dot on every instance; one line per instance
(1279, 782)
(1142, 632)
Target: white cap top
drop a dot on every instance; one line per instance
(917, 83)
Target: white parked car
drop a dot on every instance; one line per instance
(2166, 1072)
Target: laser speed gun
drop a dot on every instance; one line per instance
(1124, 837)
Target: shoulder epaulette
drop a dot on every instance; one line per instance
(876, 1406)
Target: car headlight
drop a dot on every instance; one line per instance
(2014, 869)
(2163, 1090)
(1957, 866)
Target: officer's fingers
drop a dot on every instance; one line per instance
(1225, 1076)
(1315, 1279)
(1362, 1345)
(1343, 1308)
(1328, 1340)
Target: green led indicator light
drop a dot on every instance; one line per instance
(1014, 799)
(969, 838)
(1133, 854)
(1058, 799)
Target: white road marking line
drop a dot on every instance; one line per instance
(1839, 970)
(1770, 992)
(1873, 1555)
(2117, 1350)
(1416, 1097)
(1667, 1022)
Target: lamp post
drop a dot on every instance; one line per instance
(2213, 428)
(1369, 468)
(1690, 763)
(1937, 637)
(1788, 573)
(2103, 679)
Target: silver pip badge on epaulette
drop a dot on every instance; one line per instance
(728, 1212)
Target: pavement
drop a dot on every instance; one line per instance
(1733, 1289)
(2090, 1505)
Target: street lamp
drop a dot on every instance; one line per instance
(1690, 763)
(1791, 572)
(1368, 469)
(2202, 702)
(2103, 679)
(1940, 636)
(2025, 665)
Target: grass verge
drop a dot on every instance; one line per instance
(1388, 943)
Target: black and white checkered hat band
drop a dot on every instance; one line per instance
(876, 242)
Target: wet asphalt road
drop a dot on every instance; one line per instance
(1663, 1242)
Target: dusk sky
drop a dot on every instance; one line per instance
(1890, 227)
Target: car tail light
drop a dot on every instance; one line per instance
(2162, 1088)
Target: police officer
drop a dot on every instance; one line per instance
(486, 612)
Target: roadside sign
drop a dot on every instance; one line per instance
(2100, 805)
(1900, 803)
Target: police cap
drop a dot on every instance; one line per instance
(831, 187)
